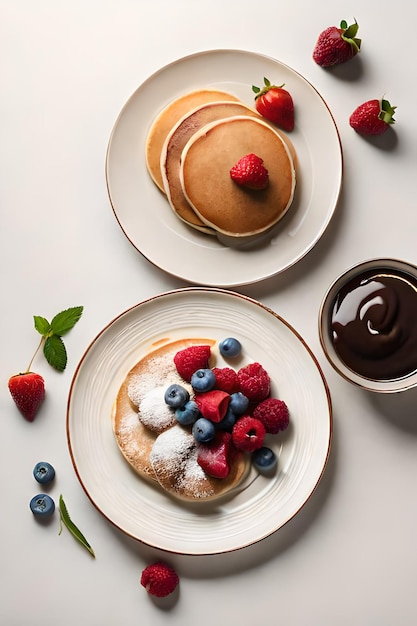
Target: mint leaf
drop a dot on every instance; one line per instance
(42, 325)
(65, 320)
(53, 347)
(55, 352)
(74, 530)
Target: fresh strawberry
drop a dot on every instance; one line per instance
(213, 404)
(337, 45)
(275, 104)
(159, 579)
(28, 392)
(27, 388)
(189, 360)
(216, 456)
(372, 117)
(250, 172)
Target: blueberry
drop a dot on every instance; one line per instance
(42, 505)
(203, 430)
(228, 421)
(43, 472)
(203, 380)
(230, 347)
(188, 413)
(264, 459)
(238, 403)
(176, 395)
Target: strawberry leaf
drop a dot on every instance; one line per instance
(42, 325)
(65, 320)
(55, 352)
(387, 112)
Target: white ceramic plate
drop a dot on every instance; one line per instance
(143, 212)
(144, 511)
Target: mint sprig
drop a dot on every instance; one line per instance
(52, 332)
(74, 530)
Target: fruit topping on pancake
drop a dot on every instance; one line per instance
(180, 123)
(174, 145)
(207, 160)
(183, 421)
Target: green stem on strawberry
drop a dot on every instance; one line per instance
(349, 34)
(260, 91)
(387, 112)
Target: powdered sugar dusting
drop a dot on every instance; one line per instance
(192, 470)
(127, 433)
(160, 367)
(172, 446)
(174, 455)
(154, 413)
(128, 423)
(147, 389)
(149, 429)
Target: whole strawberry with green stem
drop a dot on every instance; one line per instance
(275, 104)
(337, 45)
(373, 117)
(28, 388)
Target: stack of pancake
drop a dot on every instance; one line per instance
(150, 439)
(194, 142)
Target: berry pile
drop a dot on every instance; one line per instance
(229, 411)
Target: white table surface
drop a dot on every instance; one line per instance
(349, 557)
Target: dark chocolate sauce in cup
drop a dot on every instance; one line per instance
(374, 324)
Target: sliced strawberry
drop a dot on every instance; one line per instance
(190, 359)
(28, 392)
(213, 404)
(215, 457)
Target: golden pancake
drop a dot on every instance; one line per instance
(174, 145)
(151, 440)
(167, 118)
(208, 187)
(174, 461)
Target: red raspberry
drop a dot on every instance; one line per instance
(191, 359)
(274, 415)
(159, 579)
(248, 434)
(250, 172)
(226, 379)
(254, 382)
